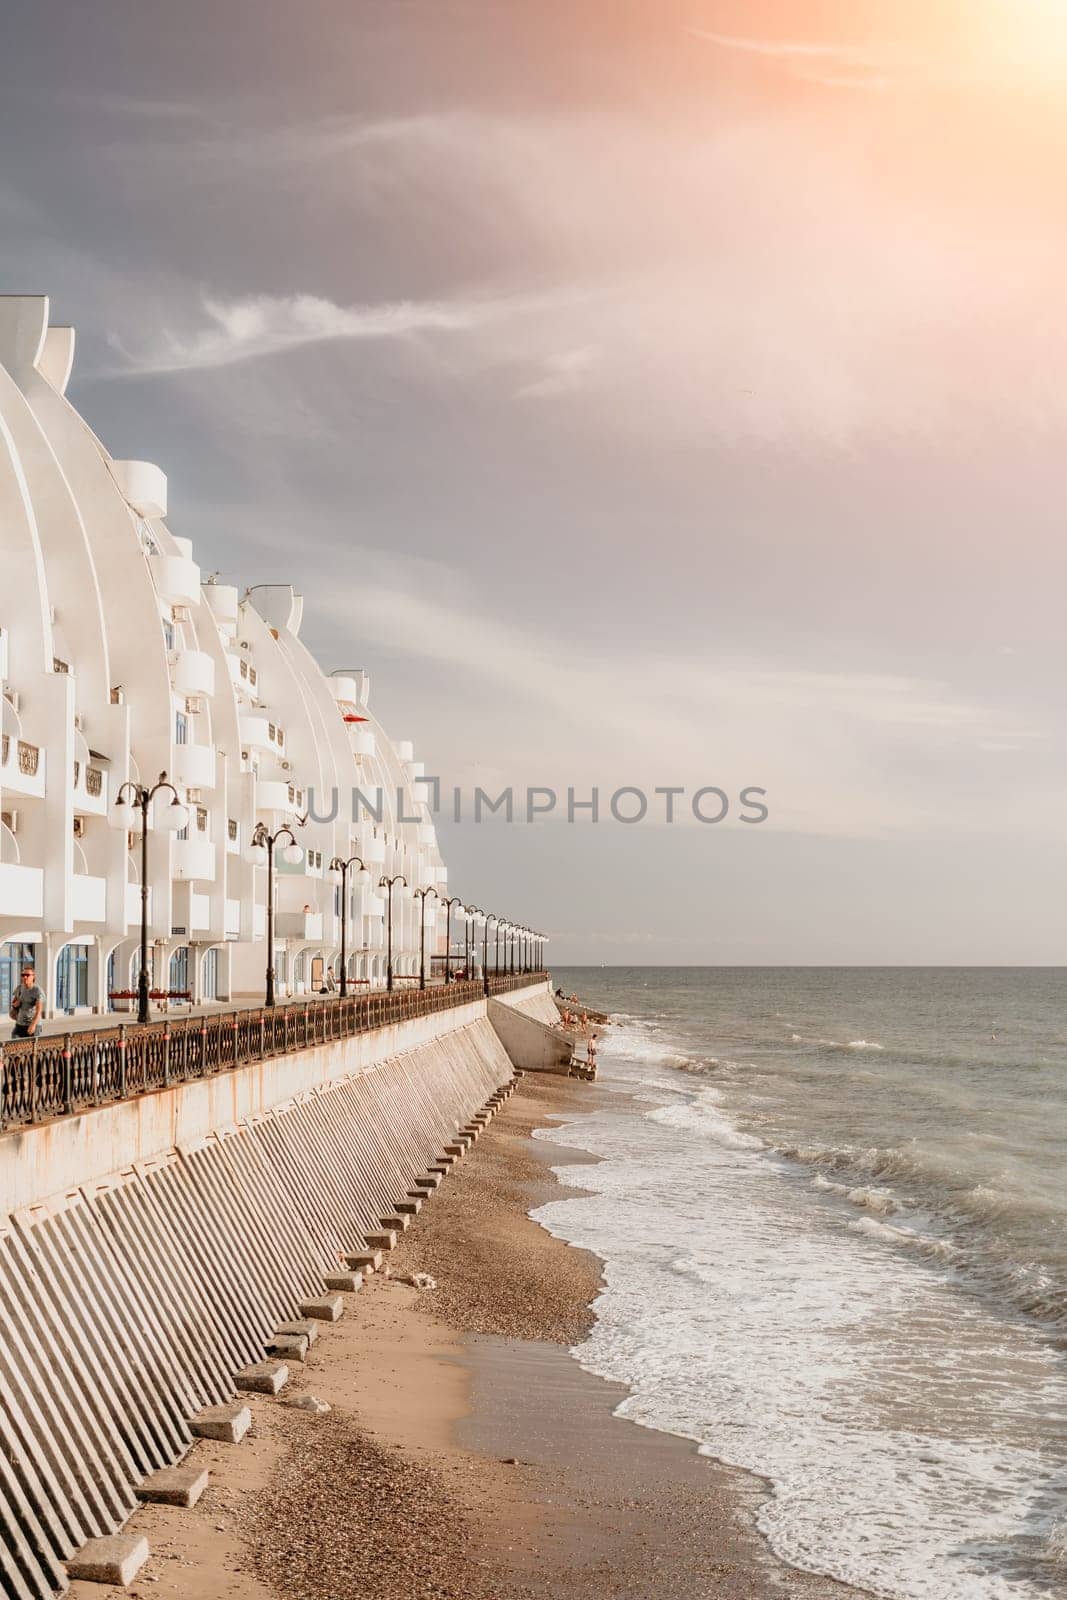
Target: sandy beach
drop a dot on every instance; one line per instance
(465, 1451)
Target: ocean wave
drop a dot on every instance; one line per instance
(869, 1198)
(702, 1116)
(885, 1233)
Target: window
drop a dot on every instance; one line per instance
(12, 956)
(178, 975)
(181, 728)
(72, 977)
(209, 975)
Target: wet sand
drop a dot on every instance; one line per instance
(466, 1453)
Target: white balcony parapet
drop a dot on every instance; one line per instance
(21, 890)
(193, 672)
(22, 766)
(221, 601)
(362, 741)
(176, 578)
(194, 765)
(298, 924)
(143, 486)
(90, 788)
(199, 912)
(194, 858)
(233, 919)
(88, 898)
(255, 731)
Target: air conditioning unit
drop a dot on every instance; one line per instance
(286, 766)
(180, 613)
(79, 827)
(10, 819)
(246, 644)
(194, 704)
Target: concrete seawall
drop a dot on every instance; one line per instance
(150, 1250)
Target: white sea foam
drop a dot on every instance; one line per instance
(826, 1358)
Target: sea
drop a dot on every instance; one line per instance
(832, 1208)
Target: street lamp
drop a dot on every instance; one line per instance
(501, 929)
(339, 874)
(172, 820)
(387, 884)
(261, 852)
(472, 916)
(489, 917)
(422, 893)
(452, 900)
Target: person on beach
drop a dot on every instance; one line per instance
(27, 1006)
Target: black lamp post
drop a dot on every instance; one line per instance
(342, 867)
(452, 900)
(422, 893)
(142, 797)
(263, 839)
(501, 929)
(387, 884)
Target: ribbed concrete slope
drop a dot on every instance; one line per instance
(128, 1305)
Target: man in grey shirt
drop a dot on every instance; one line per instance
(27, 1006)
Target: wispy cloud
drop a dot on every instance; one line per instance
(835, 64)
(257, 326)
(565, 374)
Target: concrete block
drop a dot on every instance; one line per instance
(442, 1168)
(381, 1241)
(396, 1224)
(306, 1330)
(117, 1559)
(409, 1207)
(229, 1423)
(457, 1148)
(174, 1486)
(367, 1261)
(263, 1377)
(348, 1282)
(431, 1182)
(329, 1309)
(291, 1346)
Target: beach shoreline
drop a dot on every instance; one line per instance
(466, 1451)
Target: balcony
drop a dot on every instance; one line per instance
(194, 765)
(194, 858)
(21, 891)
(143, 486)
(274, 795)
(371, 851)
(221, 601)
(90, 789)
(88, 898)
(243, 674)
(21, 766)
(199, 912)
(192, 672)
(362, 742)
(257, 732)
(233, 919)
(176, 578)
(298, 924)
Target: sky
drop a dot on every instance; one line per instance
(651, 394)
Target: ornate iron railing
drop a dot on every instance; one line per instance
(29, 758)
(63, 1074)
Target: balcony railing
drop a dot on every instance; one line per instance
(60, 666)
(231, 828)
(94, 781)
(66, 1073)
(29, 759)
(201, 819)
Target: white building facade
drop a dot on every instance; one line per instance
(118, 663)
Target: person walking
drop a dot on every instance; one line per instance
(27, 1005)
